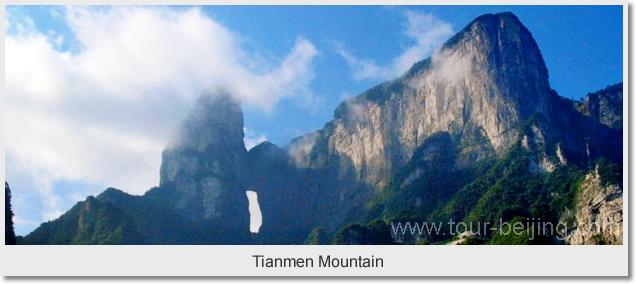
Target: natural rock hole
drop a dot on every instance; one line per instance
(256, 217)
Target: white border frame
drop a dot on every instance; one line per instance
(398, 260)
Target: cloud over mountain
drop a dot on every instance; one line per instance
(427, 33)
(96, 104)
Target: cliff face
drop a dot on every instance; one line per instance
(598, 214)
(483, 84)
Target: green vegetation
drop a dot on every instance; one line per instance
(115, 217)
(9, 233)
(519, 232)
(376, 232)
(99, 223)
(419, 66)
(505, 190)
(381, 93)
(609, 172)
(427, 182)
(318, 236)
(510, 190)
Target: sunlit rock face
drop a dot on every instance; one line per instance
(598, 214)
(479, 87)
(485, 87)
(202, 167)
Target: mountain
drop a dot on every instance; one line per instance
(473, 133)
(487, 87)
(200, 200)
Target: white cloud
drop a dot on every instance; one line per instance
(450, 66)
(102, 114)
(252, 139)
(428, 33)
(301, 147)
(356, 111)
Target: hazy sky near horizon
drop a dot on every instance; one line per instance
(92, 94)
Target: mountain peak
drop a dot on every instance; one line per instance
(265, 147)
(503, 16)
(202, 167)
(112, 194)
(215, 119)
(486, 81)
(489, 25)
(502, 46)
(496, 45)
(267, 151)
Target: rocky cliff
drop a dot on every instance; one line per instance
(604, 106)
(597, 217)
(486, 80)
(202, 170)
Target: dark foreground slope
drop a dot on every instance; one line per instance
(9, 233)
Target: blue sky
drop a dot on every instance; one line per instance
(93, 93)
(582, 47)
